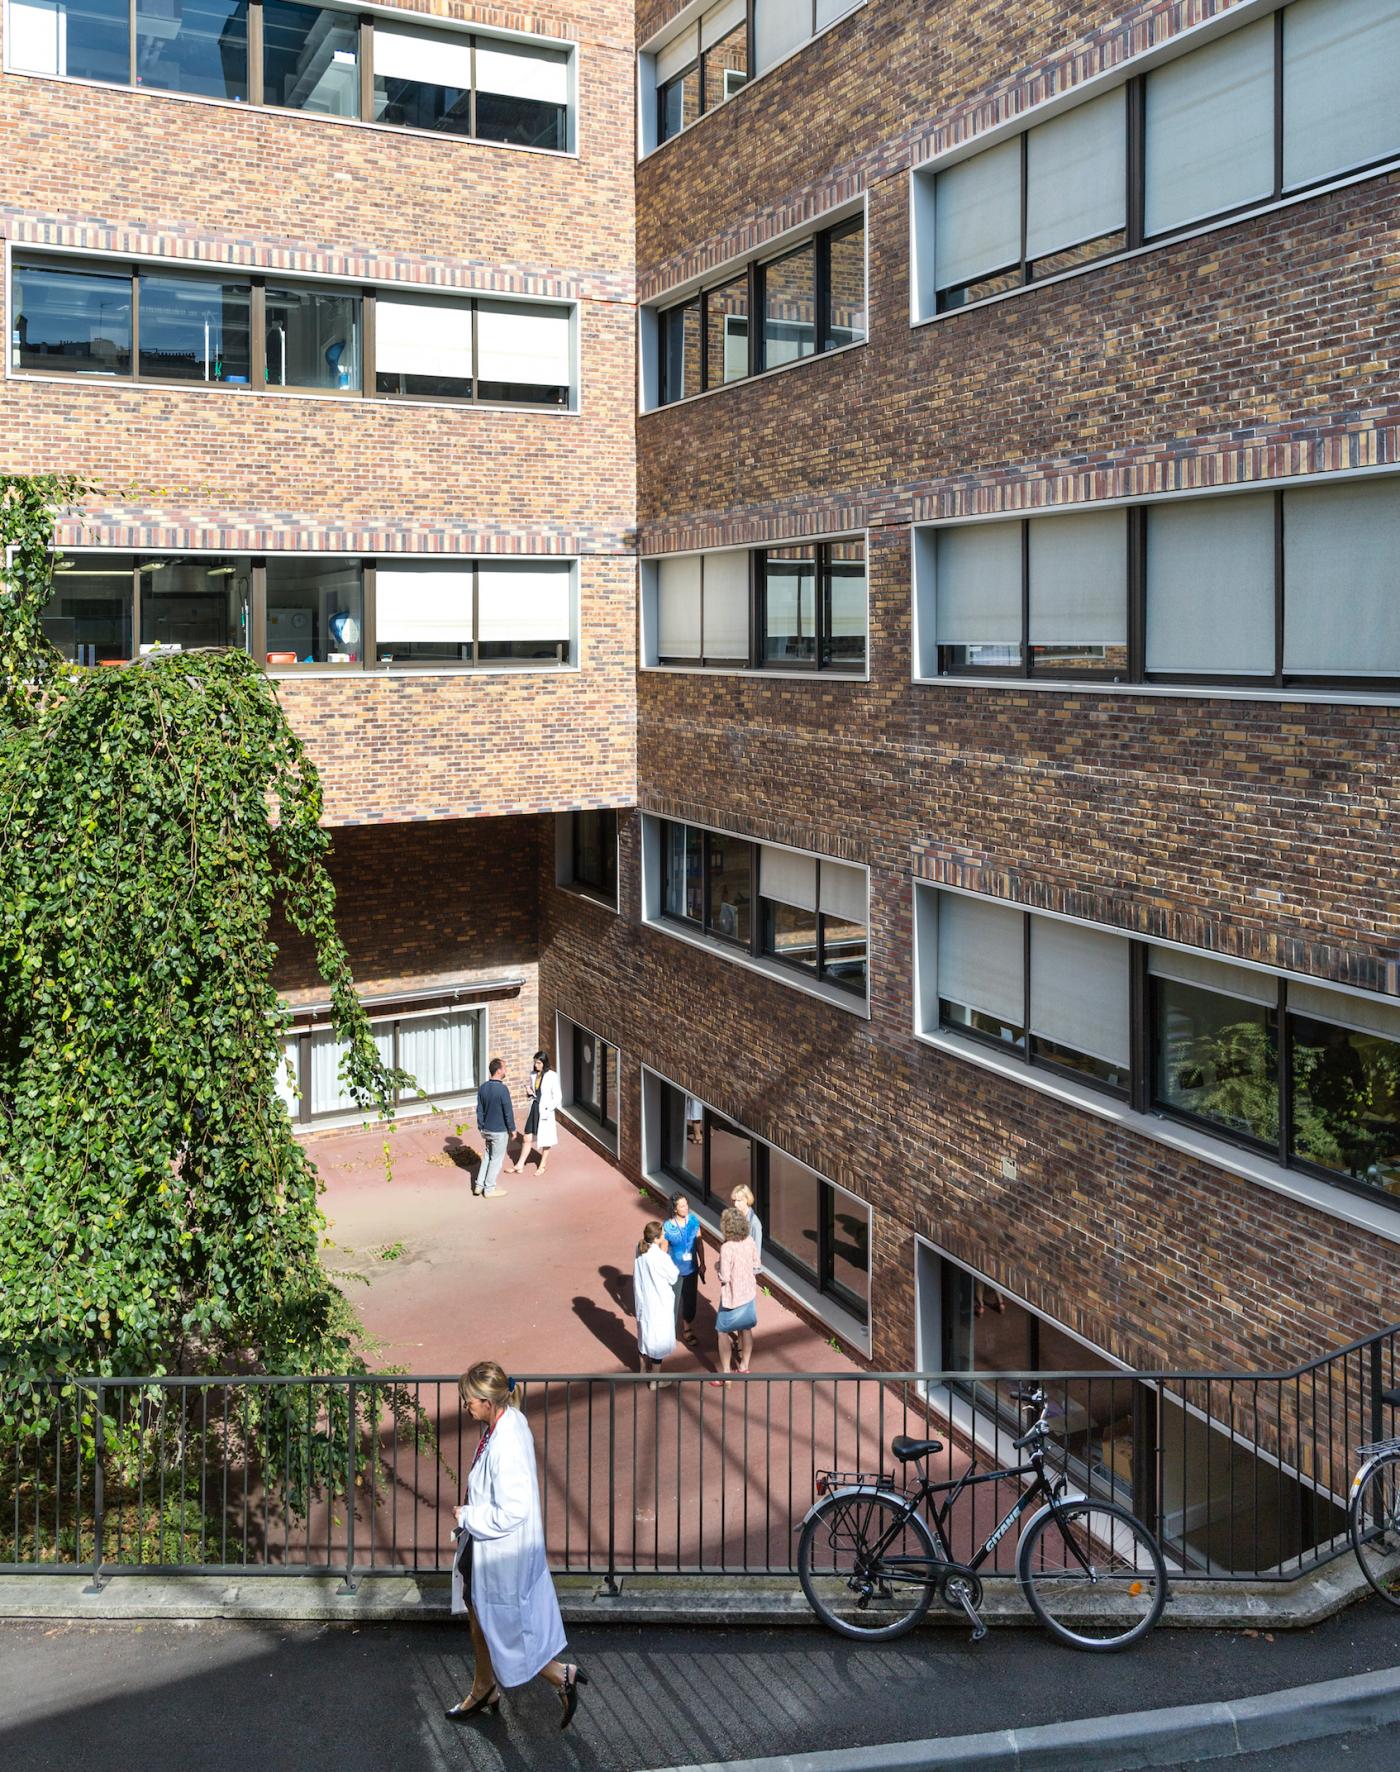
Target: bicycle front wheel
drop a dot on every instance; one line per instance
(1374, 1518)
(1093, 1574)
(856, 1590)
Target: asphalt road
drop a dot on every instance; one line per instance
(229, 1697)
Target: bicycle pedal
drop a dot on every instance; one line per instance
(979, 1629)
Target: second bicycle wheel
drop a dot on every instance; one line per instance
(1094, 1576)
(851, 1589)
(1374, 1517)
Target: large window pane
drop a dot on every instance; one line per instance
(195, 329)
(311, 57)
(729, 906)
(424, 612)
(1341, 72)
(422, 347)
(313, 339)
(845, 622)
(845, 308)
(848, 1241)
(328, 1092)
(678, 592)
(85, 39)
(423, 79)
(788, 885)
(1217, 1054)
(522, 353)
(1346, 1085)
(315, 611)
(683, 1138)
(731, 1161)
(779, 26)
(522, 94)
(76, 322)
(790, 306)
(196, 601)
(793, 1224)
(725, 627)
(1210, 130)
(978, 592)
(1076, 186)
(977, 225)
(725, 41)
(683, 863)
(524, 611)
(1210, 587)
(727, 333)
(88, 616)
(439, 1051)
(981, 967)
(678, 103)
(1079, 593)
(681, 350)
(595, 851)
(1341, 580)
(196, 46)
(790, 606)
(1079, 999)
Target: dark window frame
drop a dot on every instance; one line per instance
(606, 890)
(754, 659)
(696, 66)
(604, 1114)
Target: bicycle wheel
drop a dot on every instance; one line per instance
(1374, 1519)
(851, 1590)
(1109, 1594)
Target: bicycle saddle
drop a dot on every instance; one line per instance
(904, 1448)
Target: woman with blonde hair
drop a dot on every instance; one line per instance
(742, 1201)
(500, 1576)
(654, 1277)
(738, 1293)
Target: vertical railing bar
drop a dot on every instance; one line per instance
(99, 1489)
(656, 1412)
(768, 1475)
(700, 1474)
(568, 1469)
(612, 1485)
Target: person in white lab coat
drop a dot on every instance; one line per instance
(546, 1097)
(654, 1279)
(516, 1628)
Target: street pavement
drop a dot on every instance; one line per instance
(236, 1697)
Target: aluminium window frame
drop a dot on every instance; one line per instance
(303, 1025)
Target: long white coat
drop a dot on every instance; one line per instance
(512, 1594)
(654, 1277)
(551, 1096)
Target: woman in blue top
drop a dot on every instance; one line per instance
(687, 1246)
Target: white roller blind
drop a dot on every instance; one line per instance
(1079, 989)
(1210, 586)
(519, 602)
(828, 11)
(418, 603)
(981, 961)
(678, 607)
(679, 53)
(790, 879)
(1341, 86)
(436, 59)
(1373, 1015)
(978, 579)
(1079, 579)
(1076, 185)
(1341, 579)
(1210, 129)
(38, 37)
(778, 27)
(518, 344)
(517, 71)
(977, 216)
(1212, 975)
(439, 1051)
(719, 21)
(727, 604)
(422, 338)
(844, 891)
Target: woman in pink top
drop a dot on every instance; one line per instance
(738, 1293)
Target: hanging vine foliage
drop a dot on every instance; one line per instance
(156, 1212)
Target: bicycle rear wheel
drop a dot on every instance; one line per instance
(1374, 1519)
(1094, 1575)
(852, 1590)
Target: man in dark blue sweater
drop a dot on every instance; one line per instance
(495, 1121)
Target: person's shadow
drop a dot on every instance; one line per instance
(613, 1330)
(463, 1155)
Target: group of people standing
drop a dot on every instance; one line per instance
(666, 1277)
(495, 1121)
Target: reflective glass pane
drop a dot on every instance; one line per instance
(683, 859)
(194, 329)
(790, 606)
(726, 66)
(198, 46)
(611, 1086)
(422, 80)
(196, 601)
(680, 352)
(88, 616)
(848, 1238)
(313, 339)
(678, 103)
(731, 1162)
(76, 322)
(588, 1071)
(790, 306)
(727, 333)
(793, 1223)
(729, 910)
(1217, 1058)
(682, 1136)
(844, 947)
(315, 611)
(85, 39)
(845, 624)
(790, 933)
(522, 94)
(595, 851)
(311, 59)
(1346, 1101)
(845, 312)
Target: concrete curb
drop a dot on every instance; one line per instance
(757, 1601)
(1183, 1733)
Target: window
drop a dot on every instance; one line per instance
(1276, 106)
(592, 1075)
(813, 1231)
(805, 607)
(808, 299)
(439, 1045)
(1303, 1073)
(728, 888)
(594, 852)
(701, 67)
(263, 333)
(1254, 588)
(328, 60)
(296, 610)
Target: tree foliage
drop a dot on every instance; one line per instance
(156, 1212)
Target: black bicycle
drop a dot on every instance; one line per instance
(870, 1562)
(1373, 1512)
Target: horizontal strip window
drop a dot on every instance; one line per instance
(1308, 1076)
(800, 303)
(807, 1225)
(327, 60)
(1251, 589)
(801, 608)
(1275, 107)
(804, 911)
(440, 1049)
(113, 321)
(327, 610)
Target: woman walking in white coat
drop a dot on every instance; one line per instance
(546, 1096)
(654, 1279)
(516, 1628)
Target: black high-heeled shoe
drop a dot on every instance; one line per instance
(488, 1702)
(574, 1677)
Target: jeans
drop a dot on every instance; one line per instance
(496, 1143)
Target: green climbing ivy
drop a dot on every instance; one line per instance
(156, 1212)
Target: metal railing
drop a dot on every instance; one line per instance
(1242, 1476)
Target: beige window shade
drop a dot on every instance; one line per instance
(422, 338)
(523, 602)
(844, 891)
(423, 603)
(787, 877)
(678, 607)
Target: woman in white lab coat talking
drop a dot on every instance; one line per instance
(516, 1628)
